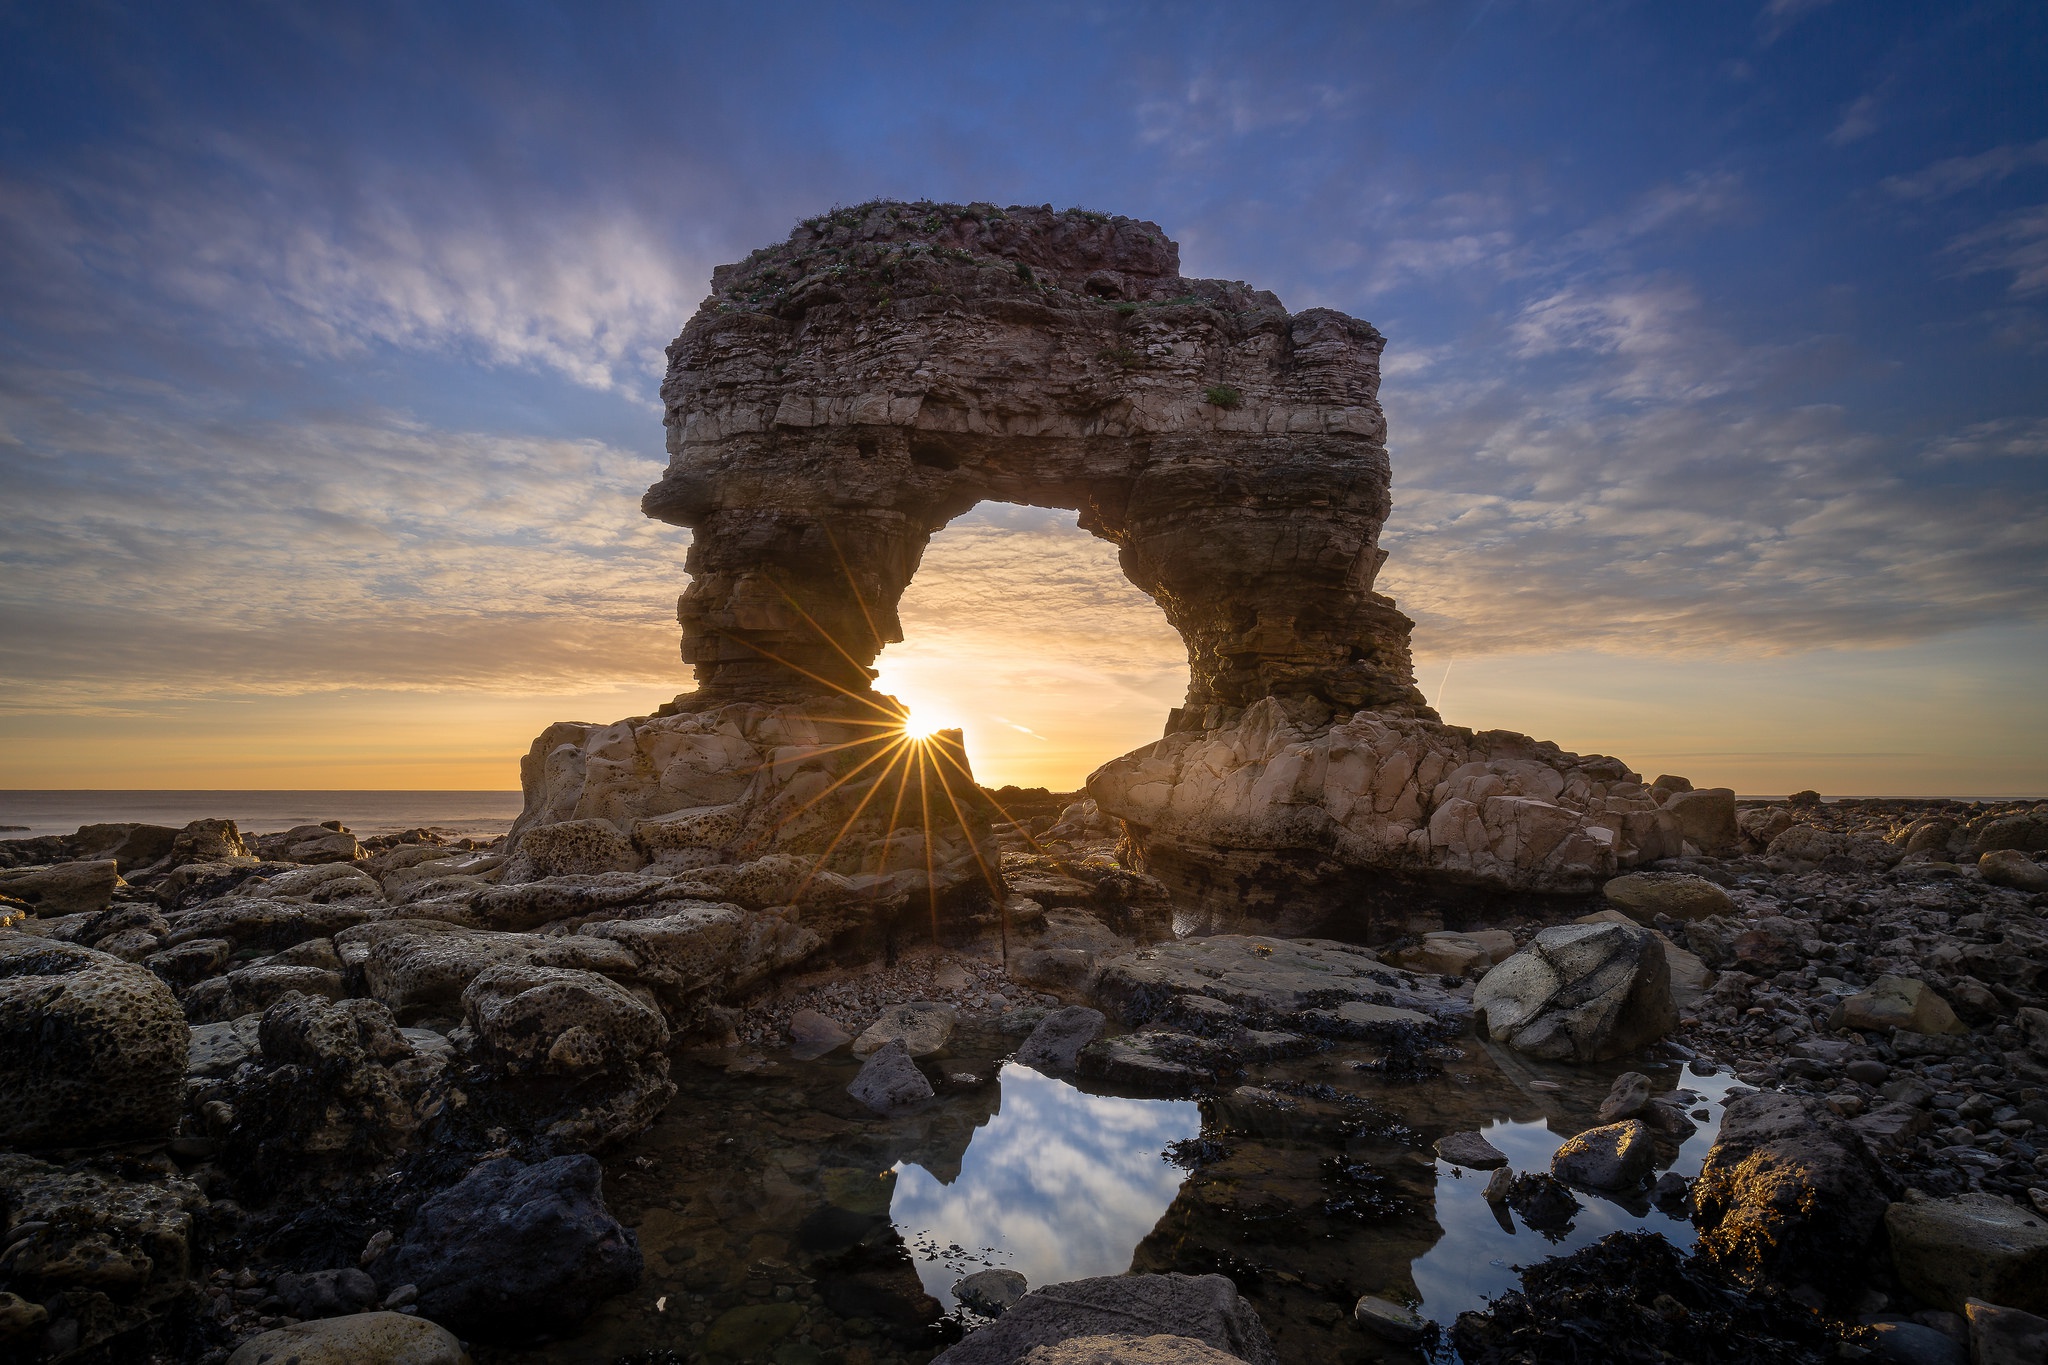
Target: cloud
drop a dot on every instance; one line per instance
(246, 242)
(1956, 174)
(1780, 15)
(2015, 241)
(157, 551)
(2008, 438)
(1858, 121)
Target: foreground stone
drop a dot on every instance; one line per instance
(513, 1250)
(1256, 981)
(1643, 896)
(1390, 1321)
(1789, 1194)
(1471, 1150)
(1127, 1350)
(1898, 1002)
(2005, 1336)
(1618, 1156)
(1054, 1047)
(2000, 867)
(922, 1027)
(64, 889)
(1204, 1307)
(105, 1255)
(360, 1339)
(92, 1049)
(991, 1292)
(1975, 1246)
(890, 1083)
(1580, 993)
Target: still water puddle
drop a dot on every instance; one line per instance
(1058, 1185)
(782, 1223)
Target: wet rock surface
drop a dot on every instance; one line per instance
(1206, 1308)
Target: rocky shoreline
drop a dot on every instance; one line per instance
(262, 1085)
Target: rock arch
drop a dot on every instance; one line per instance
(842, 396)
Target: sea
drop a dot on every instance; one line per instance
(455, 814)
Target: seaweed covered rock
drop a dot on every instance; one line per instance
(92, 1049)
(513, 1249)
(1790, 1195)
(337, 1094)
(101, 1253)
(1632, 1298)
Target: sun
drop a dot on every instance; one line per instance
(921, 728)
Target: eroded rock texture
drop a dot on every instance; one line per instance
(844, 395)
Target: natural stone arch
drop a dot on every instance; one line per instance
(841, 397)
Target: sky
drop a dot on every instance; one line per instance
(1717, 371)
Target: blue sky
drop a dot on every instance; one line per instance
(1715, 380)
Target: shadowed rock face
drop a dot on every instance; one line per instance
(844, 395)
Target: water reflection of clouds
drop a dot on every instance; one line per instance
(1476, 1259)
(1060, 1183)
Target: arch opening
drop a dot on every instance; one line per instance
(1023, 631)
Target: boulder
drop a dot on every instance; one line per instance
(1643, 896)
(252, 989)
(2026, 832)
(1275, 815)
(922, 1027)
(1689, 975)
(2005, 1336)
(2010, 867)
(1789, 1194)
(92, 1049)
(1471, 1150)
(108, 1253)
(813, 1035)
(990, 1292)
(131, 846)
(1616, 1156)
(1974, 1246)
(360, 1339)
(415, 966)
(1447, 952)
(208, 841)
(1207, 1308)
(64, 888)
(1897, 1002)
(890, 1083)
(1802, 844)
(1628, 1097)
(1258, 981)
(573, 848)
(218, 1049)
(327, 1293)
(578, 1059)
(1706, 818)
(512, 1250)
(1054, 1047)
(1391, 1321)
(1579, 992)
(1158, 1349)
(337, 1093)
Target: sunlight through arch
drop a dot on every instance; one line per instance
(1021, 630)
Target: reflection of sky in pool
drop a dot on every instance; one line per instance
(1476, 1258)
(1060, 1184)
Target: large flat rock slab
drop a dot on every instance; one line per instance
(1280, 982)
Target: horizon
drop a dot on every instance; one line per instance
(1719, 442)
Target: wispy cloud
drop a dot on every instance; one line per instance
(1955, 174)
(2015, 241)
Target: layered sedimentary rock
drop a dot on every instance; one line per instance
(819, 805)
(1290, 815)
(843, 395)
